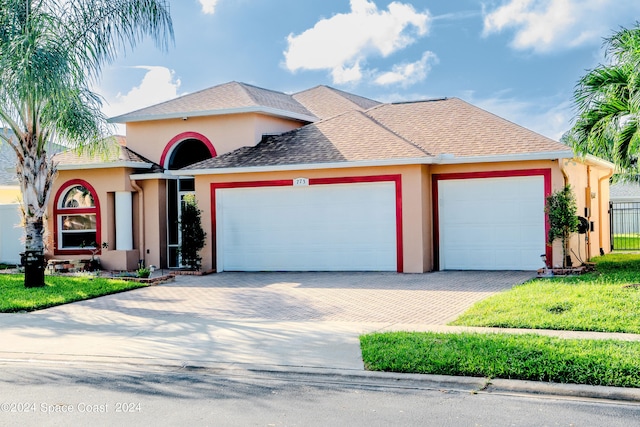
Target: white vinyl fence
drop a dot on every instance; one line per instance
(11, 234)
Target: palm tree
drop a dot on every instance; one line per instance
(608, 105)
(51, 52)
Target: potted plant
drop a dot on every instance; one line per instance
(143, 272)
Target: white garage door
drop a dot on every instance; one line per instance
(339, 227)
(491, 223)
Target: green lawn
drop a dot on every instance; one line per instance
(626, 242)
(59, 290)
(523, 357)
(605, 300)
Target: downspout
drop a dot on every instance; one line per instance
(564, 172)
(141, 238)
(587, 202)
(609, 175)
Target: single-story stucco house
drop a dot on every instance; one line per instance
(324, 180)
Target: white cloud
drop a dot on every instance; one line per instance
(343, 42)
(208, 6)
(548, 25)
(408, 73)
(550, 117)
(158, 85)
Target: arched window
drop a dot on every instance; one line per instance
(77, 217)
(186, 149)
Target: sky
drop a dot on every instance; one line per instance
(519, 59)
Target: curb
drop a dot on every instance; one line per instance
(466, 384)
(582, 391)
(475, 385)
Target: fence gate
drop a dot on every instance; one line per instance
(625, 225)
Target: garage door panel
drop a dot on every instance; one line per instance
(320, 227)
(491, 223)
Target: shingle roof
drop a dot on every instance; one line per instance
(224, 97)
(115, 154)
(326, 102)
(352, 136)
(624, 190)
(452, 126)
(415, 130)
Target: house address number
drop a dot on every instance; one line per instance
(300, 182)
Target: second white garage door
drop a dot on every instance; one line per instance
(491, 223)
(337, 227)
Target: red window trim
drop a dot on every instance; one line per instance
(545, 173)
(57, 211)
(396, 179)
(173, 143)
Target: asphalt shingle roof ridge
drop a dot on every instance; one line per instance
(402, 137)
(353, 101)
(350, 96)
(253, 96)
(245, 95)
(246, 86)
(500, 118)
(154, 106)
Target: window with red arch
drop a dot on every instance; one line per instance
(77, 218)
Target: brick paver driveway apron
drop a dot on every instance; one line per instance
(287, 319)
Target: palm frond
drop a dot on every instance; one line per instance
(624, 45)
(626, 145)
(100, 30)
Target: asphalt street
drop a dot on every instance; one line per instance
(106, 395)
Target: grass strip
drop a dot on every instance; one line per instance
(606, 300)
(524, 357)
(59, 290)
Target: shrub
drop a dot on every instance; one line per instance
(193, 236)
(561, 209)
(143, 272)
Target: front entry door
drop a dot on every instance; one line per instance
(177, 190)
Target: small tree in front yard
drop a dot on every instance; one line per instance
(563, 220)
(193, 236)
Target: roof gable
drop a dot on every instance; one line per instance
(326, 102)
(228, 98)
(350, 137)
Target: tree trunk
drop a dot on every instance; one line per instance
(35, 175)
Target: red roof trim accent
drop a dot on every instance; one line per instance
(397, 179)
(545, 173)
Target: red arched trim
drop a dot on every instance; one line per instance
(545, 173)
(181, 137)
(397, 179)
(57, 210)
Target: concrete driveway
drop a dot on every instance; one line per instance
(309, 320)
